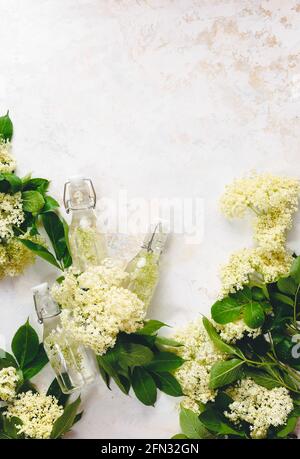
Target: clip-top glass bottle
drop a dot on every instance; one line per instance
(143, 269)
(87, 243)
(73, 364)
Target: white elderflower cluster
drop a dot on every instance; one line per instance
(270, 265)
(8, 383)
(234, 331)
(260, 407)
(11, 214)
(7, 161)
(274, 200)
(97, 308)
(38, 413)
(261, 193)
(200, 354)
(15, 257)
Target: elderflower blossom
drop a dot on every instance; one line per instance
(15, 257)
(262, 193)
(11, 214)
(38, 413)
(260, 407)
(234, 331)
(271, 265)
(8, 383)
(7, 161)
(96, 308)
(200, 354)
(274, 200)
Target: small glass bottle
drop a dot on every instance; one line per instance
(73, 364)
(87, 243)
(143, 269)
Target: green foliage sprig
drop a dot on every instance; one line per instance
(144, 362)
(270, 360)
(29, 358)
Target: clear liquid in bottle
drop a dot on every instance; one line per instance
(74, 365)
(87, 243)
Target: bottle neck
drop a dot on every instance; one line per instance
(81, 193)
(46, 308)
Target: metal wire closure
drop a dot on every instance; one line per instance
(92, 196)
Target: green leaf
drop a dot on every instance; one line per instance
(131, 354)
(7, 360)
(258, 294)
(10, 426)
(263, 378)
(78, 417)
(287, 285)
(191, 425)
(33, 201)
(165, 361)
(6, 127)
(66, 231)
(55, 230)
(289, 427)
(162, 341)
(177, 437)
(168, 384)
(223, 401)
(242, 296)
(283, 299)
(37, 363)
(55, 390)
(50, 204)
(150, 327)
(226, 310)
(109, 363)
(144, 386)
(217, 423)
(105, 376)
(64, 423)
(225, 372)
(40, 251)
(38, 184)
(253, 315)
(218, 342)
(13, 181)
(25, 344)
(295, 270)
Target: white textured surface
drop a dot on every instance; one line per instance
(166, 98)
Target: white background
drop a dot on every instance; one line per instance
(164, 99)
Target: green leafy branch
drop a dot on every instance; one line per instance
(29, 358)
(142, 361)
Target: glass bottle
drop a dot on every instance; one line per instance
(73, 364)
(87, 243)
(143, 269)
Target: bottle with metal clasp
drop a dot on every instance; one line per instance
(87, 243)
(143, 269)
(73, 364)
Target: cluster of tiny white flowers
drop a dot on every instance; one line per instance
(260, 407)
(8, 383)
(234, 331)
(262, 193)
(38, 413)
(96, 307)
(15, 257)
(11, 214)
(200, 354)
(274, 200)
(7, 161)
